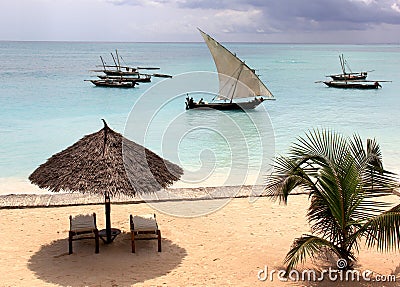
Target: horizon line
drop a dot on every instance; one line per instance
(197, 42)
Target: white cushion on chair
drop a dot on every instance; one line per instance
(145, 222)
(81, 223)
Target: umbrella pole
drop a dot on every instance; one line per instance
(108, 234)
(108, 217)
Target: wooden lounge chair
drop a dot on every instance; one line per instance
(144, 227)
(83, 227)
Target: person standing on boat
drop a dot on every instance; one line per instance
(187, 101)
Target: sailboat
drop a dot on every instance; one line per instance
(118, 70)
(348, 76)
(123, 76)
(236, 81)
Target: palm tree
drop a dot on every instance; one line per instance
(345, 181)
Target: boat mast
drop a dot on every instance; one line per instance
(237, 80)
(348, 67)
(104, 66)
(119, 64)
(341, 57)
(112, 55)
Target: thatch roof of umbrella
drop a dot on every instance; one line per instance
(106, 162)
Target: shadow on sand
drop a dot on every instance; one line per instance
(115, 265)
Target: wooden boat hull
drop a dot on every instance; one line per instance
(113, 84)
(224, 106)
(126, 79)
(162, 76)
(353, 85)
(119, 73)
(349, 77)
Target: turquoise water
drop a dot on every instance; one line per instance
(46, 106)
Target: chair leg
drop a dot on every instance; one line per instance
(133, 241)
(96, 238)
(70, 243)
(159, 240)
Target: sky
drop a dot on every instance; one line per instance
(270, 21)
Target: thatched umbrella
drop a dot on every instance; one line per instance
(106, 163)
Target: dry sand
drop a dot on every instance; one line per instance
(225, 248)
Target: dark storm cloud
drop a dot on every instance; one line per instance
(277, 16)
(338, 10)
(310, 14)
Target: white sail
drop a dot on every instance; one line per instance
(236, 79)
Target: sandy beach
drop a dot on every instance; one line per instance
(225, 248)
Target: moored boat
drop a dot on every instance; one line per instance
(113, 83)
(364, 85)
(190, 104)
(136, 78)
(348, 76)
(119, 73)
(116, 75)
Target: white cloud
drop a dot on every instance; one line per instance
(395, 7)
(151, 3)
(368, 2)
(234, 20)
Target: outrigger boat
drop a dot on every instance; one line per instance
(349, 76)
(346, 76)
(112, 83)
(236, 81)
(363, 85)
(118, 70)
(190, 104)
(127, 71)
(123, 76)
(138, 78)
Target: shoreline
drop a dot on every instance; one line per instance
(11, 201)
(22, 186)
(15, 201)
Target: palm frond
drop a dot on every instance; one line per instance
(374, 155)
(371, 155)
(324, 144)
(379, 182)
(306, 246)
(358, 151)
(383, 231)
(288, 175)
(325, 225)
(375, 184)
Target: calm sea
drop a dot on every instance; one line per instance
(46, 105)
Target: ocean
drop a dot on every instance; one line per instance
(47, 106)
